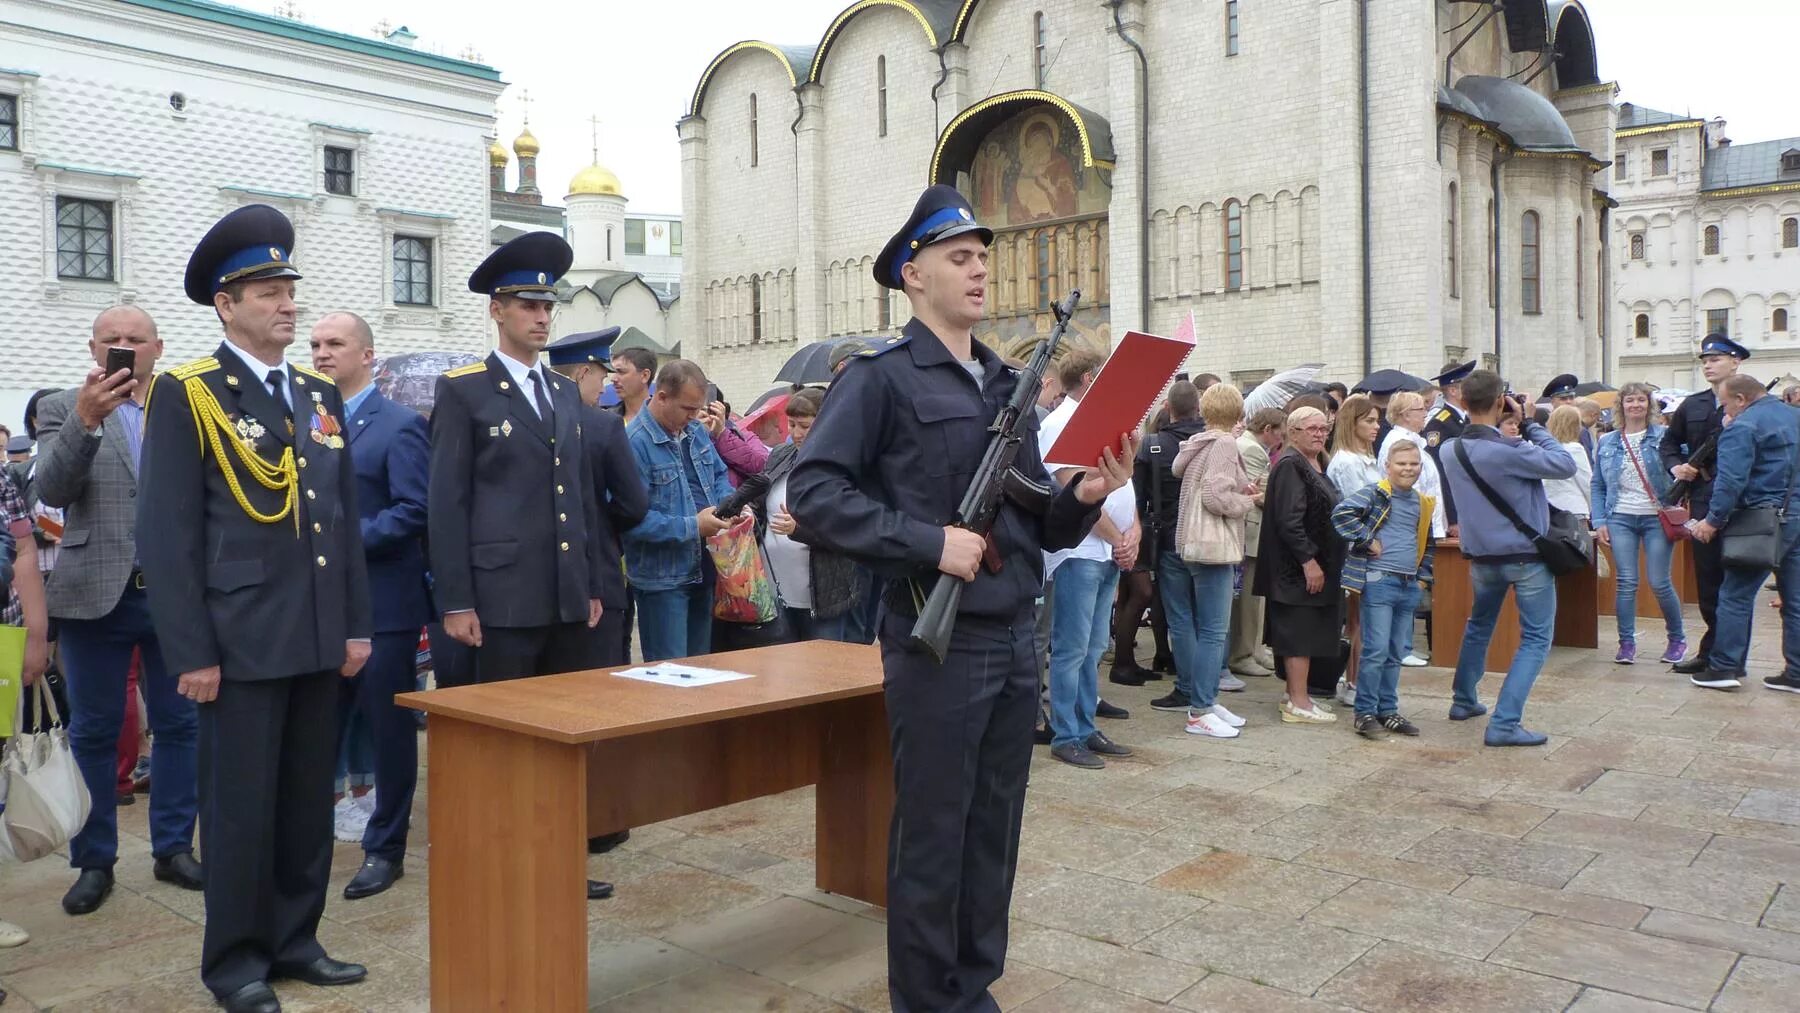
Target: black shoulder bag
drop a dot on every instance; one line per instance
(1566, 547)
(1752, 538)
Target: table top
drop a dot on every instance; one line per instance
(591, 706)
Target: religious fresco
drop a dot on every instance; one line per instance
(1029, 170)
(1018, 336)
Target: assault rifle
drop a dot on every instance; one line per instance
(1705, 456)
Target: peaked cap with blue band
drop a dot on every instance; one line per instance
(526, 267)
(1563, 385)
(1719, 344)
(587, 346)
(941, 213)
(255, 241)
(1455, 374)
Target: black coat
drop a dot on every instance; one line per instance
(835, 587)
(620, 491)
(1296, 527)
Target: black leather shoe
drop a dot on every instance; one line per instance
(89, 891)
(1106, 710)
(1163, 664)
(1127, 675)
(606, 842)
(323, 971)
(255, 997)
(181, 869)
(376, 875)
(1692, 666)
(598, 890)
(125, 798)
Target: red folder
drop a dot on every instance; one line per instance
(1133, 377)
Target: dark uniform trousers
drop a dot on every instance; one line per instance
(392, 668)
(961, 739)
(1709, 574)
(521, 652)
(452, 661)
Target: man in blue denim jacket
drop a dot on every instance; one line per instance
(665, 556)
(1757, 458)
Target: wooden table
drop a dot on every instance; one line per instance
(1681, 572)
(1453, 599)
(523, 773)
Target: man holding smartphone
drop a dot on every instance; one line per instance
(90, 440)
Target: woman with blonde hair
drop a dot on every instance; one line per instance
(1571, 494)
(1627, 488)
(1300, 563)
(1216, 496)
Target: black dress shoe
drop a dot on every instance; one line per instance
(1042, 735)
(1106, 710)
(181, 869)
(598, 890)
(323, 971)
(255, 997)
(606, 842)
(1163, 664)
(125, 798)
(89, 891)
(1692, 666)
(1127, 675)
(376, 875)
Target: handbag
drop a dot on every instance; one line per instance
(46, 800)
(743, 591)
(1565, 547)
(1753, 538)
(1672, 518)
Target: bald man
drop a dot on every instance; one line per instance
(90, 439)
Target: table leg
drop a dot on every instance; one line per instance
(508, 870)
(855, 799)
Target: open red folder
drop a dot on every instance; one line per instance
(1132, 378)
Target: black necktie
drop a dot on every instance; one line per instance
(276, 384)
(537, 393)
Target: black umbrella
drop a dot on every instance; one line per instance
(1387, 381)
(1591, 387)
(811, 364)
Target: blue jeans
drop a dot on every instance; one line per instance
(1197, 600)
(1534, 591)
(1078, 636)
(1737, 604)
(1628, 531)
(1388, 603)
(676, 623)
(96, 655)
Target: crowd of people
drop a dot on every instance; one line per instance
(251, 564)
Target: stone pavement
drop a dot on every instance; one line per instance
(1647, 859)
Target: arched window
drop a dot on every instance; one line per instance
(753, 151)
(881, 95)
(1234, 246)
(1231, 27)
(1040, 47)
(1641, 327)
(1779, 323)
(756, 308)
(1530, 269)
(1790, 233)
(1451, 248)
(1637, 246)
(1711, 243)
(1580, 267)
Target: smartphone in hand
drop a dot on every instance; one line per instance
(119, 357)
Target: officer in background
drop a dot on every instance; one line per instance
(1696, 423)
(254, 567)
(516, 570)
(897, 443)
(1562, 391)
(1449, 417)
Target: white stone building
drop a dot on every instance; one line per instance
(127, 127)
(1167, 155)
(1706, 238)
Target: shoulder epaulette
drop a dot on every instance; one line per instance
(469, 370)
(883, 346)
(1443, 415)
(188, 370)
(315, 374)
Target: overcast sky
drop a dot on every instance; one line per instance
(634, 66)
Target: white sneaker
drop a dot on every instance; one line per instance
(11, 935)
(349, 821)
(1231, 719)
(1346, 693)
(1231, 683)
(366, 802)
(1209, 724)
(1414, 661)
(1314, 715)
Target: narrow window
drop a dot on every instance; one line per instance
(1231, 27)
(1641, 327)
(756, 307)
(1779, 323)
(634, 237)
(1718, 321)
(340, 167)
(9, 122)
(412, 271)
(1451, 249)
(1529, 268)
(609, 255)
(1234, 246)
(1622, 167)
(881, 95)
(1710, 245)
(1043, 269)
(884, 310)
(674, 239)
(84, 239)
(752, 129)
(1659, 162)
(1637, 246)
(1040, 46)
(1580, 267)
(1790, 233)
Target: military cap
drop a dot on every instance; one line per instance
(587, 346)
(1563, 386)
(1719, 344)
(941, 213)
(844, 350)
(19, 445)
(255, 241)
(1455, 373)
(526, 267)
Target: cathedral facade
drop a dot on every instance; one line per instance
(1360, 184)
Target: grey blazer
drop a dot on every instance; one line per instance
(95, 482)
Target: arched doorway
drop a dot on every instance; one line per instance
(1038, 170)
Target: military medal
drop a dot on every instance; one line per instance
(506, 428)
(249, 430)
(325, 430)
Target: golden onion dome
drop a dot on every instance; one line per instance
(496, 154)
(525, 145)
(596, 179)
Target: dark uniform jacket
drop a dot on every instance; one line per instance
(392, 451)
(1696, 418)
(1445, 424)
(835, 589)
(896, 445)
(620, 492)
(260, 600)
(512, 504)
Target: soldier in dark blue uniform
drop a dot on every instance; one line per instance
(880, 479)
(1694, 423)
(254, 566)
(1447, 420)
(516, 571)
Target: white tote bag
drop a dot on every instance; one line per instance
(46, 800)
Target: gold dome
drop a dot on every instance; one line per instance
(496, 154)
(525, 145)
(596, 179)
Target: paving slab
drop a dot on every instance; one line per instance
(1468, 928)
(1628, 962)
(1264, 948)
(1395, 978)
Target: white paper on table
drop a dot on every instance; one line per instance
(684, 676)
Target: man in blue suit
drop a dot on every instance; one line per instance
(391, 448)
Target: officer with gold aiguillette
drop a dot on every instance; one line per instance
(252, 559)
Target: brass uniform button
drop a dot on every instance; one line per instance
(559, 490)
(563, 517)
(321, 560)
(556, 461)
(316, 528)
(311, 494)
(565, 546)
(303, 462)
